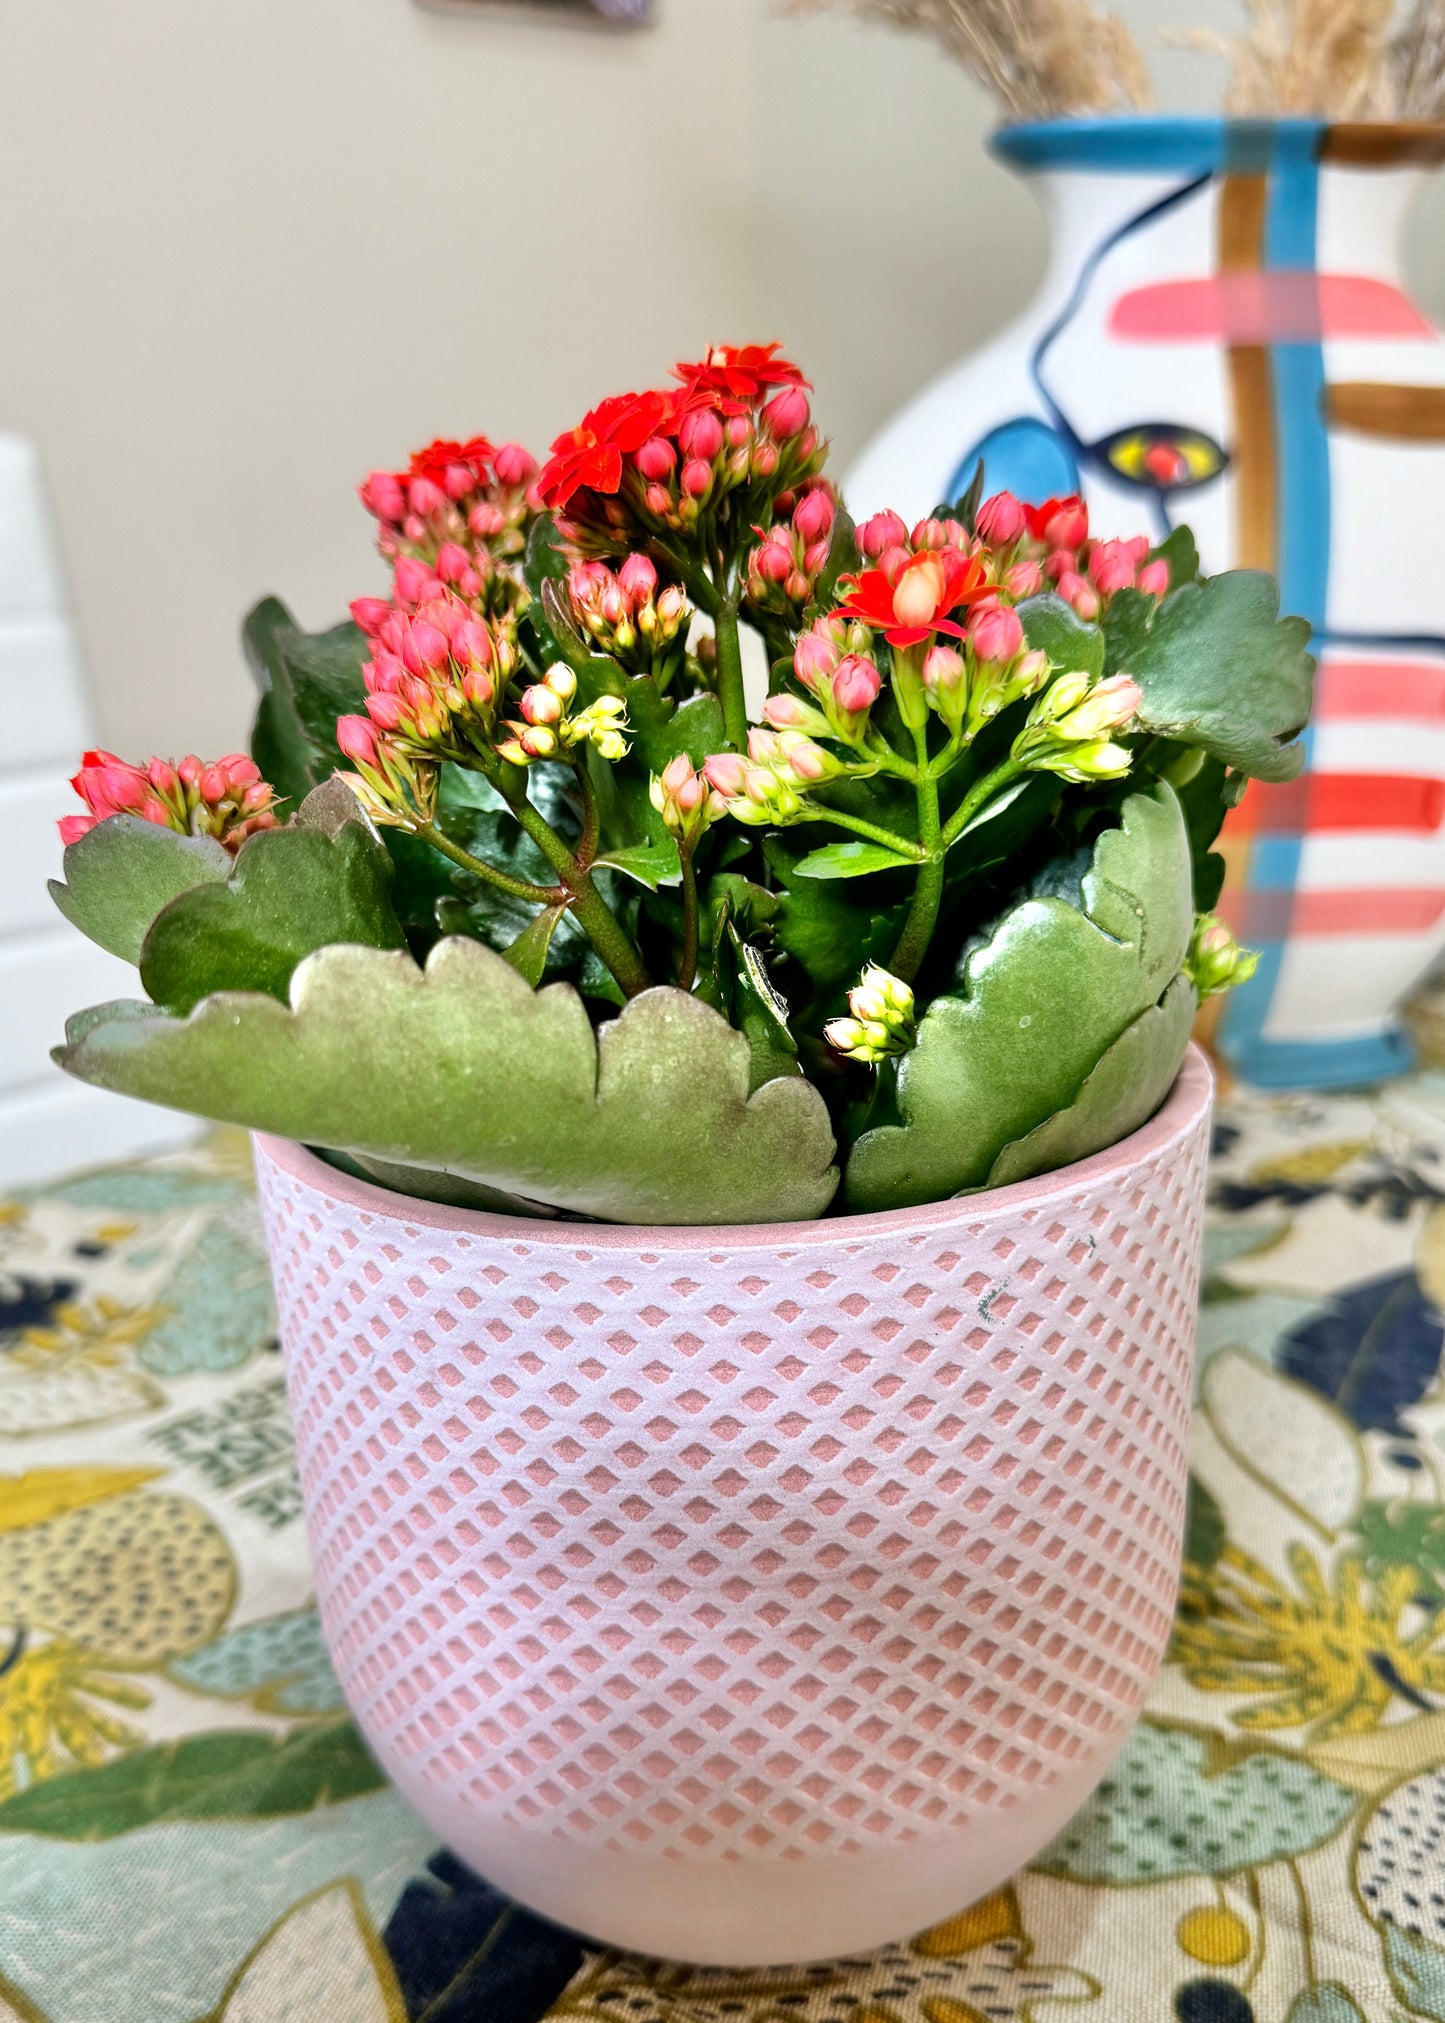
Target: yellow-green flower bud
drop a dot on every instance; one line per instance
(1215, 961)
(882, 1022)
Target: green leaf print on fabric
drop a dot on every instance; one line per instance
(220, 1307)
(1417, 1972)
(1160, 1814)
(228, 1775)
(1326, 2004)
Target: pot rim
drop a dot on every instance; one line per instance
(1189, 1098)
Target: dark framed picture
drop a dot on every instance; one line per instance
(620, 13)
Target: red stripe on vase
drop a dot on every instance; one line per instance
(1273, 913)
(1282, 306)
(1320, 801)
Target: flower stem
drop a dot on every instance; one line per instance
(928, 892)
(687, 966)
(730, 675)
(981, 791)
(595, 917)
(520, 888)
(904, 845)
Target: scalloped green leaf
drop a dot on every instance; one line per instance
(122, 872)
(852, 860)
(291, 892)
(1123, 1091)
(647, 1121)
(1220, 668)
(1053, 627)
(1042, 1001)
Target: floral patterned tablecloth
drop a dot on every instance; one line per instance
(192, 1832)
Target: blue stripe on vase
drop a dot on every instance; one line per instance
(1152, 145)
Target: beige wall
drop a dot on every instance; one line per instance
(248, 250)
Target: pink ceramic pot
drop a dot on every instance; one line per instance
(748, 1594)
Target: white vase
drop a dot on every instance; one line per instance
(1223, 339)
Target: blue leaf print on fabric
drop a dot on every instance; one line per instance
(462, 1950)
(1375, 1350)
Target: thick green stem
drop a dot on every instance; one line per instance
(904, 845)
(981, 791)
(595, 917)
(730, 676)
(687, 966)
(520, 888)
(928, 892)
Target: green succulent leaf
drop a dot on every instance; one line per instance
(1129, 1083)
(1220, 668)
(1042, 1001)
(648, 1121)
(852, 860)
(122, 872)
(1053, 627)
(307, 680)
(290, 892)
(830, 932)
(528, 953)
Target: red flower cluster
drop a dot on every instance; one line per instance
(735, 377)
(433, 670)
(226, 799)
(911, 599)
(591, 454)
(1051, 544)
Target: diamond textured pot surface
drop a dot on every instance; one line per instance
(748, 1594)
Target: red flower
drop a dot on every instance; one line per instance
(590, 455)
(473, 456)
(916, 603)
(1061, 523)
(734, 375)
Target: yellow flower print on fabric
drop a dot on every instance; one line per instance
(1330, 1659)
(49, 1721)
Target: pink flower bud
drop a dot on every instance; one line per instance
(787, 713)
(472, 644)
(452, 562)
(671, 605)
(540, 706)
(382, 496)
(807, 761)
(513, 465)
(739, 432)
(725, 773)
(773, 560)
(1080, 592)
(657, 500)
(1062, 562)
(425, 647)
(813, 514)
(657, 459)
(893, 561)
(943, 670)
(1025, 579)
(1112, 566)
(787, 414)
(166, 778)
(995, 632)
(414, 527)
(356, 738)
(415, 581)
(1001, 519)
(814, 658)
(486, 520)
(538, 741)
(856, 684)
(797, 588)
(696, 479)
(815, 557)
(1154, 578)
(424, 497)
(388, 711)
(764, 461)
(638, 579)
(370, 614)
(700, 436)
(883, 531)
(478, 689)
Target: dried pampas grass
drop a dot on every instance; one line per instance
(1040, 58)
(1330, 59)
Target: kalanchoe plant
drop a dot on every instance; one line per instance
(556, 923)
